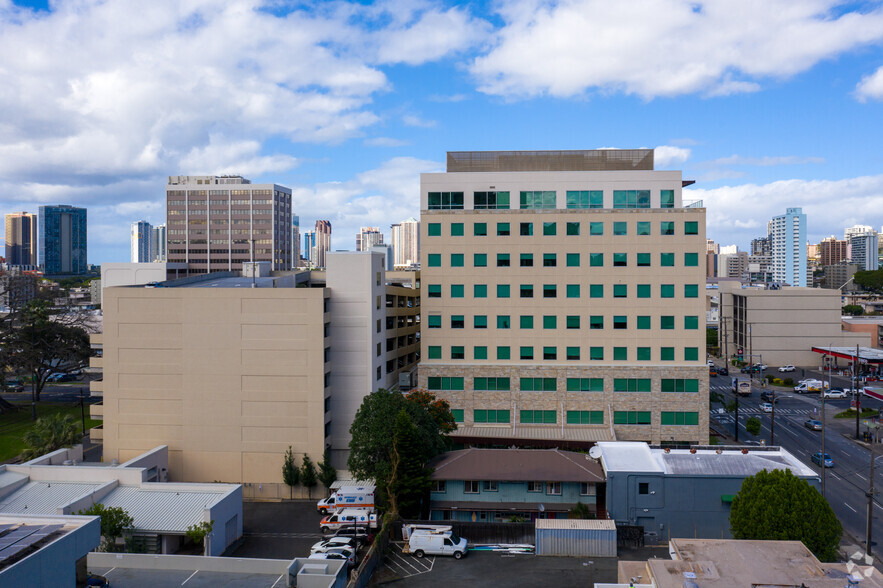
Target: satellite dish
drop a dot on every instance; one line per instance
(595, 452)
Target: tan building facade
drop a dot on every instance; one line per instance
(564, 305)
(780, 327)
(229, 375)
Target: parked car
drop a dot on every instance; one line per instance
(812, 424)
(834, 393)
(15, 386)
(769, 396)
(787, 368)
(766, 407)
(340, 553)
(332, 542)
(61, 378)
(429, 543)
(709, 363)
(817, 459)
(361, 533)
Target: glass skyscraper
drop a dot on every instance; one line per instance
(62, 240)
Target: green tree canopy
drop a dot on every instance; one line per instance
(327, 473)
(853, 309)
(374, 428)
(308, 476)
(50, 433)
(114, 522)
(752, 425)
(290, 472)
(870, 280)
(409, 478)
(779, 506)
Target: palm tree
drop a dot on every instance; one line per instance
(50, 433)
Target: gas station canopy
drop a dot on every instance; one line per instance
(866, 355)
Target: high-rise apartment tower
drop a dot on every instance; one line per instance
(142, 242)
(787, 234)
(62, 240)
(406, 242)
(21, 238)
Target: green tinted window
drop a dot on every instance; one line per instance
(434, 229)
(644, 290)
(572, 290)
(596, 259)
(502, 352)
(666, 322)
(691, 228)
(667, 290)
(620, 290)
(666, 228)
(643, 322)
(525, 322)
(596, 291)
(550, 228)
(479, 352)
(572, 321)
(691, 322)
(596, 228)
(691, 353)
(479, 321)
(572, 353)
(434, 290)
(456, 229)
(666, 259)
(667, 353)
(573, 260)
(666, 199)
(434, 260)
(573, 228)
(643, 354)
(502, 229)
(435, 321)
(691, 291)
(596, 353)
(503, 321)
(503, 290)
(596, 321)
(620, 228)
(479, 229)
(479, 259)
(456, 260)
(456, 290)
(643, 259)
(435, 352)
(691, 259)
(643, 228)
(479, 291)
(550, 322)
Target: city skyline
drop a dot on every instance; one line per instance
(384, 89)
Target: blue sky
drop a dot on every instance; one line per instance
(767, 104)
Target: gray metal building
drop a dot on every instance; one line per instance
(685, 493)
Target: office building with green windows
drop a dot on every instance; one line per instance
(563, 298)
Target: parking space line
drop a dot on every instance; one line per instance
(277, 581)
(188, 577)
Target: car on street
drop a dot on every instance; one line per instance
(768, 396)
(817, 459)
(766, 407)
(834, 393)
(61, 378)
(812, 424)
(723, 371)
(787, 368)
(756, 368)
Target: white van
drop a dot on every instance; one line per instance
(428, 543)
(810, 386)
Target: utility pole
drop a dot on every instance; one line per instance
(737, 415)
(858, 402)
(773, 420)
(83, 411)
(871, 499)
(823, 442)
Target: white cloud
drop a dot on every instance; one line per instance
(386, 142)
(739, 213)
(870, 87)
(378, 197)
(221, 157)
(415, 121)
(655, 48)
(669, 155)
(766, 160)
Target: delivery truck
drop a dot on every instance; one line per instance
(741, 386)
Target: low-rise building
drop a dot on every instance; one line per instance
(781, 326)
(680, 492)
(715, 563)
(495, 485)
(59, 483)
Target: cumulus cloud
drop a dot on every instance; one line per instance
(669, 155)
(654, 48)
(737, 214)
(766, 160)
(388, 194)
(870, 87)
(386, 142)
(415, 121)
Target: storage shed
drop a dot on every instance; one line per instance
(576, 537)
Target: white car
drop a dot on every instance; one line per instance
(766, 407)
(331, 543)
(834, 393)
(787, 368)
(344, 553)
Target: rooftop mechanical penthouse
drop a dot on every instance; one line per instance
(562, 298)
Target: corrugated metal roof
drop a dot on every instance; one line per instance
(546, 433)
(508, 465)
(628, 456)
(602, 524)
(163, 510)
(730, 463)
(45, 497)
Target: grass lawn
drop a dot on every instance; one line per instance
(13, 426)
(849, 413)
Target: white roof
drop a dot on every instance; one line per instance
(45, 497)
(628, 456)
(602, 524)
(166, 507)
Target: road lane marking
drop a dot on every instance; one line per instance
(850, 508)
(861, 476)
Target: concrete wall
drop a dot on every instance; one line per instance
(226, 512)
(59, 456)
(131, 274)
(54, 565)
(228, 378)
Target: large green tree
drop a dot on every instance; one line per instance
(372, 450)
(327, 473)
(39, 344)
(50, 433)
(409, 478)
(308, 475)
(779, 506)
(870, 280)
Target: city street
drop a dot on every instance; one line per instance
(846, 484)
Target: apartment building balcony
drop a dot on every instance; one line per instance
(96, 362)
(96, 411)
(97, 433)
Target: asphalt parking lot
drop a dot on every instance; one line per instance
(278, 530)
(138, 578)
(485, 568)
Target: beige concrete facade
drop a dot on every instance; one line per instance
(604, 299)
(228, 378)
(229, 375)
(783, 325)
